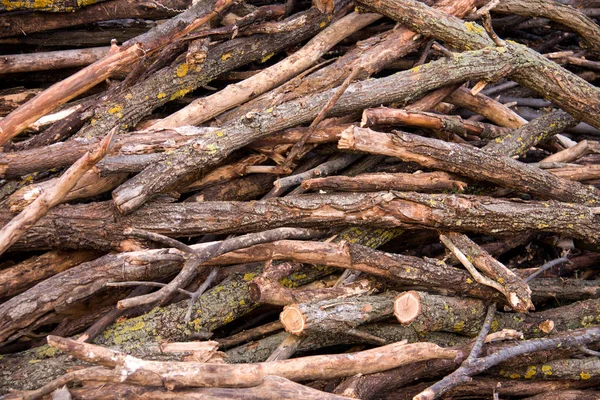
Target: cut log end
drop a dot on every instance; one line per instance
(293, 319)
(346, 140)
(407, 307)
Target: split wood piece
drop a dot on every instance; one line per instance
(470, 162)
(496, 112)
(266, 291)
(336, 315)
(286, 348)
(14, 230)
(172, 82)
(130, 52)
(89, 185)
(100, 226)
(515, 289)
(241, 189)
(51, 6)
(578, 97)
(183, 164)
(22, 276)
(451, 123)
(10, 64)
(528, 135)
(334, 165)
(557, 12)
(174, 375)
(198, 257)
(422, 182)
(207, 108)
(368, 57)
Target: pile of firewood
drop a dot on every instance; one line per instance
(385, 199)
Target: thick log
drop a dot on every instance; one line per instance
(100, 226)
(337, 315)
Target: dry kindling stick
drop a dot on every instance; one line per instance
(13, 231)
(174, 375)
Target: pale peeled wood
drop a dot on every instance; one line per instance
(293, 319)
(407, 307)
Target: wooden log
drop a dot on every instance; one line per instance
(452, 123)
(22, 276)
(407, 307)
(270, 292)
(468, 161)
(10, 64)
(100, 226)
(174, 375)
(337, 315)
(426, 182)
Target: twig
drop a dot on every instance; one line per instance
(320, 117)
(486, 19)
(158, 238)
(463, 373)
(13, 231)
(546, 267)
(201, 289)
(190, 267)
